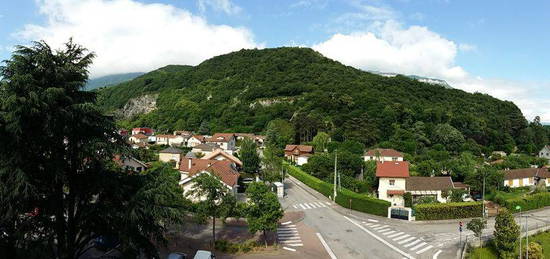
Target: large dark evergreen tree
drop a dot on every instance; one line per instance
(59, 187)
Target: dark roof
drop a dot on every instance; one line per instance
(190, 155)
(172, 150)
(384, 152)
(461, 185)
(526, 173)
(419, 183)
(207, 146)
(392, 169)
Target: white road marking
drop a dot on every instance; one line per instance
(321, 204)
(307, 206)
(288, 238)
(412, 243)
(302, 206)
(381, 227)
(296, 244)
(401, 237)
(289, 249)
(387, 233)
(419, 246)
(406, 240)
(288, 235)
(424, 249)
(295, 206)
(286, 228)
(328, 203)
(372, 220)
(290, 241)
(396, 234)
(437, 254)
(368, 224)
(329, 251)
(375, 225)
(286, 223)
(384, 230)
(380, 239)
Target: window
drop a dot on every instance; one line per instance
(392, 182)
(394, 159)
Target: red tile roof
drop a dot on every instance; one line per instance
(526, 173)
(301, 148)
(139, 136)
(384, 152)
(221, 137)
(221, 168)
(393, 169)
(396, 192)
(220, 152)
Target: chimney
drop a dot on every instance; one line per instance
(189, 164)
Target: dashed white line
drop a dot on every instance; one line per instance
(380, 239)
(412, 243)
(372, 220)
(303, 207)
(387, 233)
(329, 251)
(424, 249)
(401, 237)
(291, 241)
(375, 225)
(369, 224)
(384, 230)
(289, 249)
(437, 254)
(396, 234)
(406, 240)
(381, 227)
(296, 244)
(286, 223)
(419, 246)
(307, 206)
(289, 238)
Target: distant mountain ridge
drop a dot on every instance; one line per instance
(110, 80)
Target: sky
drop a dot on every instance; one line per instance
(494, 47)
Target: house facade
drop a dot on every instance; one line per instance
(392, 181)
(205, 148)
(225, 170)
(526, 177)
(130, 164)
(195, 140)
(381, 154)
(545, 152)
(170, 140)
(139, 139)
(434, 187)
(144, 131)
(298, 154)
(225, 141)
(171, 154)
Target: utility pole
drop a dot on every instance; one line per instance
(483, 196)
(335, 172)
(526, 237)
(520, 254)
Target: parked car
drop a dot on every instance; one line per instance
(177, 255)
(203, 254)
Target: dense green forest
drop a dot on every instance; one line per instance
(243, 91)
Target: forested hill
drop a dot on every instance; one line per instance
(244, 90)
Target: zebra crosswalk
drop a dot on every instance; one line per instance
(407, 241)
(310, 205)
(288, 236)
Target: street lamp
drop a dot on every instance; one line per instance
(519, 208)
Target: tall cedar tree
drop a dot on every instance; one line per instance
(264, 210)
(506, 233)
(59, 187)
(249, 156)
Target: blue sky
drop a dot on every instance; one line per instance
(494, 47)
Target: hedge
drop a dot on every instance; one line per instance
(529, 202)
(452, 210)
(359, 202)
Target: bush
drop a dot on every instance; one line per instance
(359, 202)
(530, 202)
(454, 210)
(233, 248)
(408, 199)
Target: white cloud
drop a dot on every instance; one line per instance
(310, 3)
(390, 47)
(467, 47)
(225, 6)
(129, 36)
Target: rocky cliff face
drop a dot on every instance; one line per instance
(140, 105)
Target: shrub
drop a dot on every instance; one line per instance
(530, 202)
(408, 199)
(359, 202)
(454, 210)
(233, 248)
(506, 233)
(535, 251)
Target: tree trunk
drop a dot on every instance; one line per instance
(265, 238)
(214, 231)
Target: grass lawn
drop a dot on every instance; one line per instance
(489, 252)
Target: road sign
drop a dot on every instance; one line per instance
(460, 228)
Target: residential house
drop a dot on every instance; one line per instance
(222, 155)
(462, 186)
(526, 177)
(144, 131)
(545, 153)
(171, 154)
(298, 153)
(170, 140)
(196, 140)
(139, 139)
(381, 154)
(225, 170)
(241, 136)
(259, 139)
(130, 164)
(392, 180)
(205, 148)
(123, 132)
(434, 187)
(226, 141)
(183, 133)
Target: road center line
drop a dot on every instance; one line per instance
(329, 251)
(380, 239)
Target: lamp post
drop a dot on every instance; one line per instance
(335, 173)
(519, 208)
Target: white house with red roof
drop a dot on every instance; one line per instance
(138, 139)
(225, 170)
(383, 154)
(196, 140)
(144, 131)
(225, 141)
(298, 154)
(170, 140)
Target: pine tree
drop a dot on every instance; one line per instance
(506, 233)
